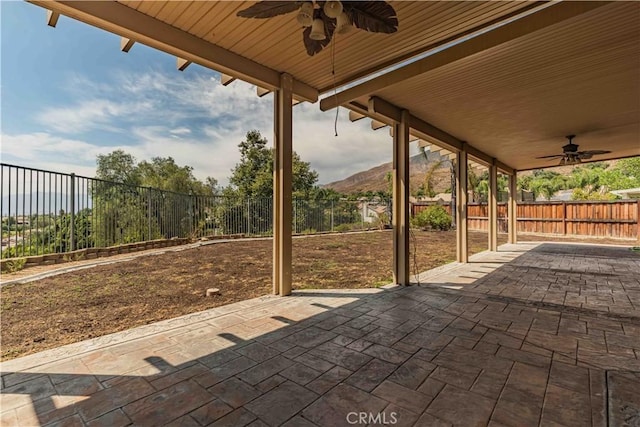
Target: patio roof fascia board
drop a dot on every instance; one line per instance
(127, 22)
(546, 17)
(424, 49)
(384, 108)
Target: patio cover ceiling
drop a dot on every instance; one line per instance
(277, 42)
(518, 100)
(258, 50)
(512, 102)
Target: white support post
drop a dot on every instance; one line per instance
(282, 178)
(492, 202)
(512, 210)
(462, 195)
(401, 200)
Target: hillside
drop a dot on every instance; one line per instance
(374, 179)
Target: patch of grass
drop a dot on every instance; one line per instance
(336, 245)
(324, 265)
(383, 282)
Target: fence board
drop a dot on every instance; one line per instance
(618, 219)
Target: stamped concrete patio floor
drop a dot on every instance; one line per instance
(536, 334)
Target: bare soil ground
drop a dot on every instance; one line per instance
(109, 298)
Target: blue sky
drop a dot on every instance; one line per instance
(69, 94)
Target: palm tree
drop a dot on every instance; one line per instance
(427, 185)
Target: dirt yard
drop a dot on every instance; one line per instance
(88, 303)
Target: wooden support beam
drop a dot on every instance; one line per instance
(226, 79)
(400, 215)
(375, 125)
(462, 195)
(551, 15)
(355, 116)
(52, 18)
(260, 91)
(412, 137)
(182, 64)
(493, 209)
(379, 107)
(126, 44)
(512, 210)
(440, 150)
(382, 108)
(125, 21)
(282, 187)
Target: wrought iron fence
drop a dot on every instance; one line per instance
(51, 212)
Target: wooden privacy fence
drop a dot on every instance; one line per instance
(616, 219)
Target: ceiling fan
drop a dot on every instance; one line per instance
(321, 19)
(570, 154)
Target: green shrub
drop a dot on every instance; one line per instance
(13, 265)
(342, 228)
(432, 218)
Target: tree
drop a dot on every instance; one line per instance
(131, 212)
(625, 174)
(543, 183)
(427, 187)
(253, 175)
(163, 173)
(118, 166)
(476, 186)
(251, 182)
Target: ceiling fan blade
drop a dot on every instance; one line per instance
(269, 9)
(550, 157)
(372, 16)
(593, 152)
(315, 46)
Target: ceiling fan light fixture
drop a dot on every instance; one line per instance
(317, 30)
(343, 23)
(320, 20)
(332, 8)
(305, 15)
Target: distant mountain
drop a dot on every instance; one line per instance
(374, 179)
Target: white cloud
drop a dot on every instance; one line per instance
(39, 147)
(180, 131)
(192, 118)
